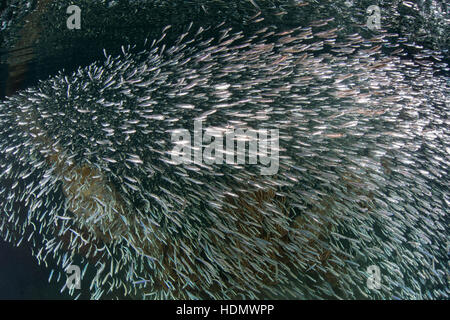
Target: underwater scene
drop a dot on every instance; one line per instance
(224, 149)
